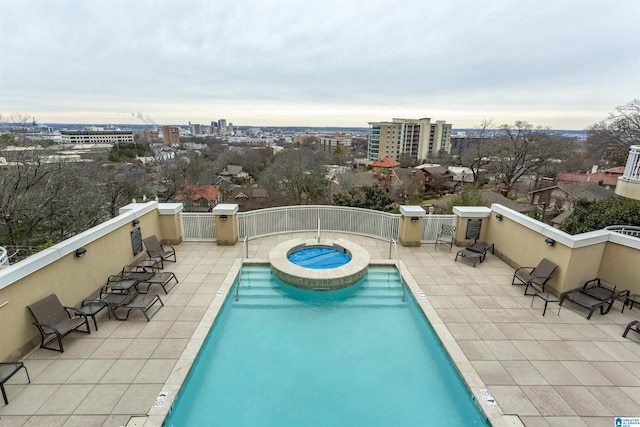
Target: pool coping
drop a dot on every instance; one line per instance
(471, 379)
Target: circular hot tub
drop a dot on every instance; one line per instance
(322, 266)
(319, 257)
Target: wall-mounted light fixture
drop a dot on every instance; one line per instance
(414, 219)
(135, 222)
(80, 252)
(223, 217)
(549, 241)
(499, 217)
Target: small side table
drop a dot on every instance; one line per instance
(631, 299)
(547, 297)
(91, 308)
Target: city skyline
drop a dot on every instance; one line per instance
(565, 65)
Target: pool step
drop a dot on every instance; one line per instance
(261, 303)
(382, 289)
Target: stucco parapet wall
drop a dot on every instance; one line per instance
(45, 257)
(566, 239)
(412, 211)
(225, 209)
(143, 208)
(472, 211)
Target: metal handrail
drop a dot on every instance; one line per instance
(4, 259)
(245, 251)
(318, 227)
(402, 284)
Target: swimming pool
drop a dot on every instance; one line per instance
(282, 356)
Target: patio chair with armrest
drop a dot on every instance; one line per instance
(445, 236)
(535, 277)
(55, 321)
(7, 370)
(633, 326)
(160, 252)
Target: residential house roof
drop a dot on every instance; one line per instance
(608, 177)
(197, 192)
(232, 170)
(581, 190)
(249, 193)
(385, 163)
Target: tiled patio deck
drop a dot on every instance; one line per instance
(550, 371)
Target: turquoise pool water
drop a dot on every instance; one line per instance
(319, 257)
(282, 356)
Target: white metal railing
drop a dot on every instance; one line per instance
(629, 230)
(432, 224)
(198, 226)
(284, 219)
(632, 170)
(265, 222)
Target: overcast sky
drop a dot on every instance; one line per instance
(565, 64)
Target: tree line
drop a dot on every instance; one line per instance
(43, 201)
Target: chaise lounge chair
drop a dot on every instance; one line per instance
(535, 277)
(133, 301)
(149, 277)
(594, 294)
(160, 252)
(476, 251)
(54, 321)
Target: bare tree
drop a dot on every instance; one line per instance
(520, 149)
(610, 139)
(296, 176)
(477, 154)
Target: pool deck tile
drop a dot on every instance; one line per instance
(542, 371)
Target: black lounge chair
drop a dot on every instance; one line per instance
(476, 251)
(159, 252)
(594, 294)
(469, 254)
(149, 277)
(54, 321)
(7, 370)
(445, 236)
(133, 301)
(633, 326)
(535, 277)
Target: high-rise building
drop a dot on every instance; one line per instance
(420, 139)
(170, 135)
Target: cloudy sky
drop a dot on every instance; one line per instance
(565, 64)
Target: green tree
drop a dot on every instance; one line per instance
(368, 197)
(596, 215)
(469, 196)
(338, 157)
